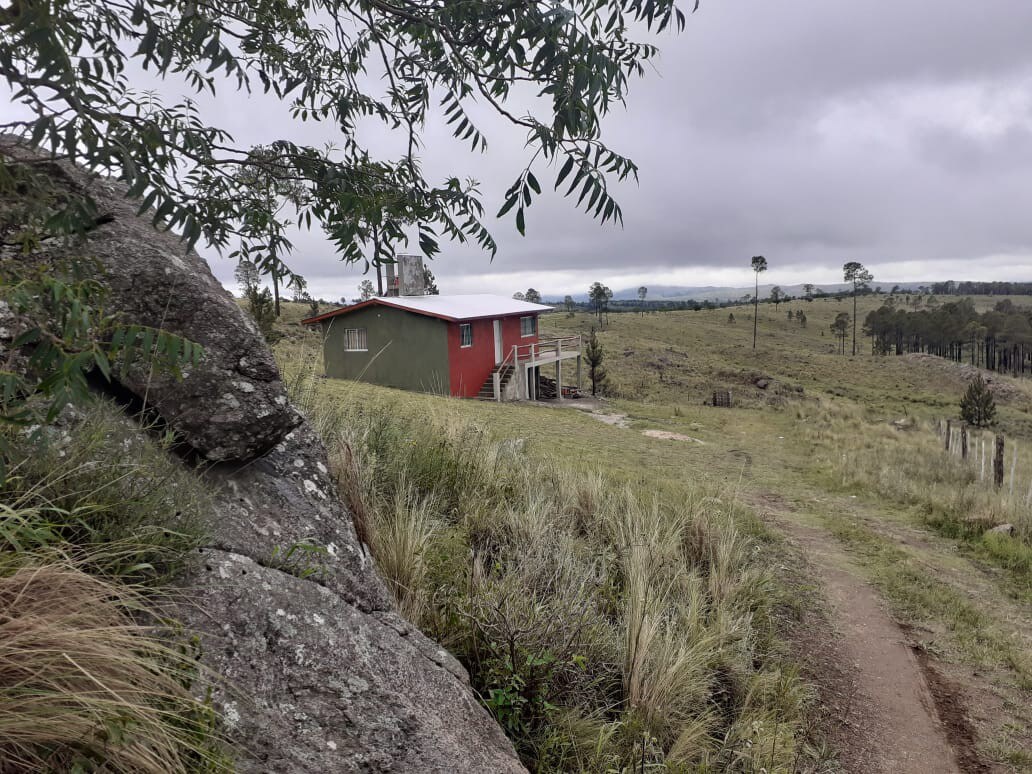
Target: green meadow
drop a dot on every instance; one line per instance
(467, 494)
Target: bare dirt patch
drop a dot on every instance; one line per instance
(593, 407)
(616, 420)
(881, 713)
(666, 435)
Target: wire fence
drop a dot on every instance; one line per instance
(994, 457)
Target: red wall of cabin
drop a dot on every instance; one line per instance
(469, 367)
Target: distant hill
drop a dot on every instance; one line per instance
(714, 293)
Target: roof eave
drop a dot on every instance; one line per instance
(425, 313)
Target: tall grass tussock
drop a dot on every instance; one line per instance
(604, 628)
(85, 686)
(95, 520)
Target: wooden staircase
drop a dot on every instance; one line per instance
(505, 372)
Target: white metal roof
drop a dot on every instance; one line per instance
(467, 307)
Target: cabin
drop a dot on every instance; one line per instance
(467, 346)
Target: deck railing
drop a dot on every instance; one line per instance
(497, 376)
(557, 347)
(546, 348)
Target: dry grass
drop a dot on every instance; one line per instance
(910, 469)
(96, 519)
(84, 686)
(99, 490)
(806, 449)
(604, 628)
(404, 529)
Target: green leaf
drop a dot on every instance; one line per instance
(509, 204)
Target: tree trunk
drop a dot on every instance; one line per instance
(756, 308)
(854, 320)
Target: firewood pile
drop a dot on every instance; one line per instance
(547, 389)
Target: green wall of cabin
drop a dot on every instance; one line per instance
(416, 354)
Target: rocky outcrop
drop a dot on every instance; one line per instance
(233, 405)
(319, 673)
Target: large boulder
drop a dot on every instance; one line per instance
(318, 671)
(233, 406)
(321, 675)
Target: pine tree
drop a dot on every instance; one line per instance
(262, 307)
(247, 276)
(594, 354)
(977, 407)
(430, 283)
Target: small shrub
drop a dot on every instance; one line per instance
(977, 407)
(594, 356)
(263, 309)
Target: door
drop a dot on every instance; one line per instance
(498, 341)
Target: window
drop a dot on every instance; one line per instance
(466, 334)
(355, 340)
(528, 326)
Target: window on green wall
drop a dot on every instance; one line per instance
(528, 326)
(355, 340)
(466, 334)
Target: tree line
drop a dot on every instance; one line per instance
(952, 288)
(999, 340)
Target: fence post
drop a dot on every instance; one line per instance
(949, 433)
(1014, 464)
(963, 442)
(981, 475)
(998, 461)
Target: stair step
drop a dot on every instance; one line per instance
(504, 373)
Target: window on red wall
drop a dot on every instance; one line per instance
(465, 334)
(528, 326)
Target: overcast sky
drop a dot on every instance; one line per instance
(812, 132)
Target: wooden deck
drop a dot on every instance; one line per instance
(526, 358)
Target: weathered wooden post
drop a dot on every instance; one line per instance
(998, 461)
(949, 433)
(559, 370)
(963, 442)
(1014, 465)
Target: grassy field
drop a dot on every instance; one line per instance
(820, 441)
